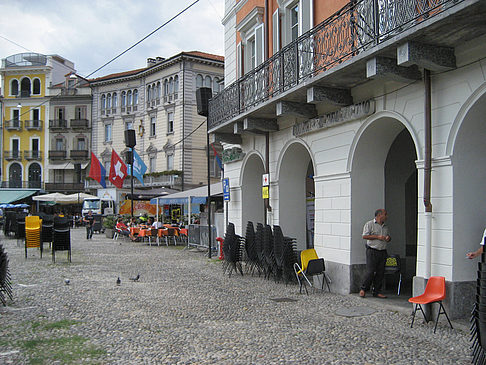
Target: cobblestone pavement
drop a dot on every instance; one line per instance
(184, 310)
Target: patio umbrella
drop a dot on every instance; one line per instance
(52, 197)
(76, 198)
(22, 205)
(6, 206)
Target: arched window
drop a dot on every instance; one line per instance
(135, 97)
(215, 85)
(108, 101)
(15, 176)
(207, 81)
(149, 96)
(171, 86)
(103, 102)
(14, 87)
(115, 100)
(129, 97)
(176, 84)
(34, 176)
(158, 90)
(25, 87)
(199, 81)
(123, 99)
(166, 87)
(37, 87)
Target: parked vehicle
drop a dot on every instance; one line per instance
(99, 206)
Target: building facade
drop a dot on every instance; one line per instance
(354, 106)
(26, 79)
(159, 103)
(69, 134)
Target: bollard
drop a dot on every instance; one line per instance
(220, 244)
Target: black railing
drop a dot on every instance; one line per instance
(33, 155)
(12, 183)
(357, 27)
(79, 154)
(57, 123)
(79, 123)
(78, 187)
(13, 124)
(33, 124)
(12, 155)
(57, 154)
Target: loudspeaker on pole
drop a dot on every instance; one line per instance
(203, 94)
(130, 138)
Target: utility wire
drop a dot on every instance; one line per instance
(18, 45)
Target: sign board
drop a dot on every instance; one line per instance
(265, 194)
(226, 190)
(265, 180)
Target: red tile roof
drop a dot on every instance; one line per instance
(206, 55)
(119, 74)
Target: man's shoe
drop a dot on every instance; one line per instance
(362, 293)
(379, 295)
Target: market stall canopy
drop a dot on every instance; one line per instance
(197, 195)
(77, 198)
(12, 195)
(52, 197)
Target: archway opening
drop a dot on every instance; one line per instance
(34, 176)
(25, 87)
(15, 176)
(296, 184)
(384, 175)
(252, 207)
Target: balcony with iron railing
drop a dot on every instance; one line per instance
(33, 155)
(148, 181)
(335, 51)
(13, 155)
(79, 154)
(33, 184)
(57, 154)
(57, 124)
(55, 187)
(34, 124)
(79, 123)
(13, 125)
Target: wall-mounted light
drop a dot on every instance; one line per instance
(19, 105)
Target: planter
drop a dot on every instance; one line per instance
(109, 232)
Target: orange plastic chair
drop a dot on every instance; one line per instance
(434, 292)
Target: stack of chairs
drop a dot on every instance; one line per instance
(33, 227)
(5, 279)
(252, 260)
(232, 250)
(259, 248)
(47, 228)
(268, 255)
(289, 259)
(20, 227)
(61, 238)
(10, 224)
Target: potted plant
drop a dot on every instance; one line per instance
(109, 224)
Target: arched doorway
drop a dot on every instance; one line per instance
(25, 87)
(34, 175)
(469, 189)
(384, 175)
(295, 195)
(252, 207)
(15, 175)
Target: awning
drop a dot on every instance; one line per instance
(9, 196)
(66, 166)
(198, 195)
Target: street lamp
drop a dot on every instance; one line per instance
(130, 142)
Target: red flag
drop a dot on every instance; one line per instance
(97, 171)
(118, 170)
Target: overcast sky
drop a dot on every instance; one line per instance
(91, 32)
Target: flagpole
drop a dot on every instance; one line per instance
(131, 179)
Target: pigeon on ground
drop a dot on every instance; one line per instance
(135, 278)
(67, 281)
(118, 281)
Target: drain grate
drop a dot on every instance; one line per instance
(283, 300)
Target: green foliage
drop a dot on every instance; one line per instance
(109, 221)
(162, 173)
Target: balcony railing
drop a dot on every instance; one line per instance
(54, 187)
(57, 123)
(33, 155)
(33, 124)
(22, 184)
(357, 27)
(57, 154)
(79, 154)
(79, 123)
(12, 155)
(149, 181)
(13, 124)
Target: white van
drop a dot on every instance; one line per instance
(99, 206)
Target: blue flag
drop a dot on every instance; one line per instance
(139, 168)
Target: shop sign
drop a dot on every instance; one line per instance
(265, 194)
(232, 155)
(343, 115)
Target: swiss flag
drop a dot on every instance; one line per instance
(118, 170)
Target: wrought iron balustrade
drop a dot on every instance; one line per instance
(33, 124)
(12, 183)
(33, 155)
(57, 123)
(357, 27)
(13, 124)
(79, 123)
(55, 187)
(79, 154)
(57, 154)
(12, 155)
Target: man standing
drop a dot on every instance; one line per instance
(89, 220)
(375, 232)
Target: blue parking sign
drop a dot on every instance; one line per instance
(226, 190)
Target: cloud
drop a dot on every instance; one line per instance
(90, 33)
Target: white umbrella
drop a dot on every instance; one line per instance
(77, 197)
(52, 197)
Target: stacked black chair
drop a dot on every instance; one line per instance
(289, 259)
(232, 250)
(5, 279)
(278, 249)
(478, 318)
(47, 228)
(20, 226)
(269, 259)
(259, 247)
(61, 238)
(251, 249)
(10, 225)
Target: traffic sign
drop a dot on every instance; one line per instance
(226, 190)
(265, 180)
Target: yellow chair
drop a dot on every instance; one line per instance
(33, 226)
(312, 265)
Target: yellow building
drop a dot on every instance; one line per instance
(26, 78)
